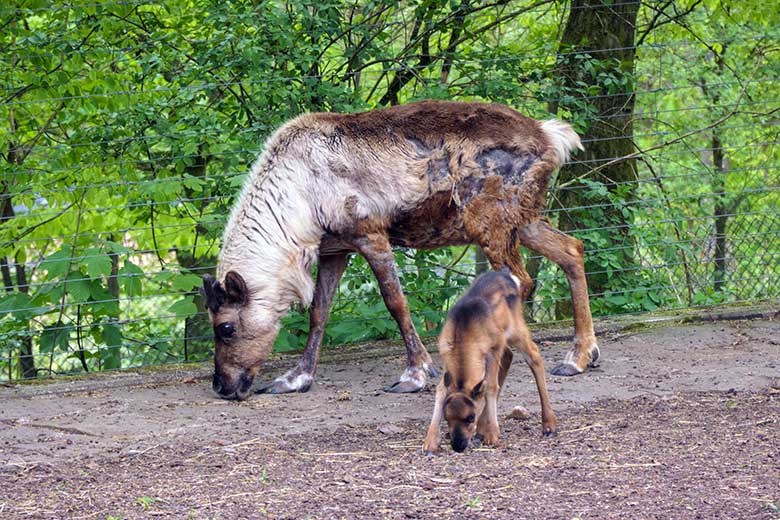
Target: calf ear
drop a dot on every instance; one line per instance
(477, 389)
(213, 292)
(235, 288)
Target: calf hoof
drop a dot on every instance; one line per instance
(490, 439)
(566, 369)
(549, 433)
(412, 380)
(287, 384)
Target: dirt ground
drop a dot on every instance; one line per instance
(679, 421)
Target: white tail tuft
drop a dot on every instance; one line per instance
(562, 138)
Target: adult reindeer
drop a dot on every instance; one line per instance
(422, 175)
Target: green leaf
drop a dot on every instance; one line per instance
(183, 307)
(112, 336)
(97, 263)
(78, 288)
(186, 282)
(117, 248)
(54, 337)
(193, 183)
(16, 300)
(130, 278)
(56, 264)
(110, 356)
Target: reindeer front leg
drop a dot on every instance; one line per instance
(375, 247)
(433, 437)
(300, 378)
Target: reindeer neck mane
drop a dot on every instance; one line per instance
(271, 238)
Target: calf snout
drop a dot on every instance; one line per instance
(459, 443)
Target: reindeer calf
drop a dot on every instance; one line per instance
(475, 348)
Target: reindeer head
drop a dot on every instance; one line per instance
(242, 340)
(462, 409)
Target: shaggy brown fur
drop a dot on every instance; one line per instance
(422, 175)
(475, 348)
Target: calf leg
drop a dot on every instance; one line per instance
(300, 378)
(503, 368)
(375, 247)
(487, 427)
(522, 340)
(433, 438)
(567, 252)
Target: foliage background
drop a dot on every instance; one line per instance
(126, 129)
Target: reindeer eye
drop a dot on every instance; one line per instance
(470, 419)
(225, 330)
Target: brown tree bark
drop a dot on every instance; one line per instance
(599, 36)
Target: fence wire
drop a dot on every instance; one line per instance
(129, 131)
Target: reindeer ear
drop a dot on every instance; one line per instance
(477, 390)
(236, 289)
(213, 292)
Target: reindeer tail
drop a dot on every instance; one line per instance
(562, 138)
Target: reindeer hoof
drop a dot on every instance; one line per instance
(595, 354)
(550, 433)
(430, 370)
(566, 369)
(404, 387)
(275, 387)
(412, 380)
(287, 385)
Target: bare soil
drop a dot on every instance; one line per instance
(677, 422)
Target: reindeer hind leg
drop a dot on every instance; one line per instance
(568, 252)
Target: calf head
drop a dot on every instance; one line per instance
(241, 342)
(462, 410)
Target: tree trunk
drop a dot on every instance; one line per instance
(26, 354)
(721, 212)
(197, 328)
(598, 44)
(721, 206)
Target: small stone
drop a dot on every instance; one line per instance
(343, 396)
(389, 429)
(519, 412)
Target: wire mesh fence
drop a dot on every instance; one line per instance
(130, 126)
